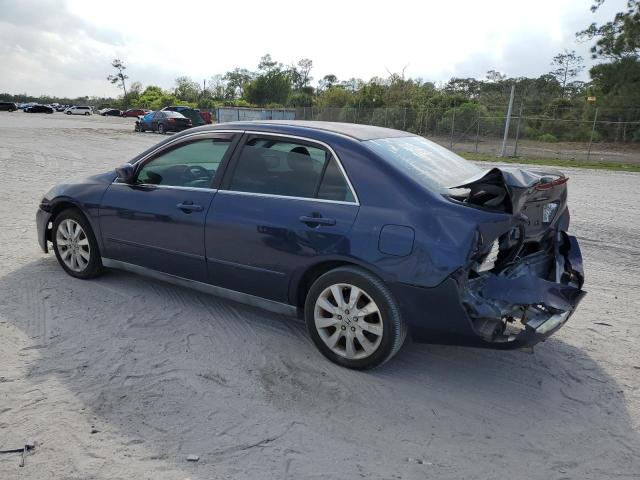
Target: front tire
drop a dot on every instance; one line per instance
(75, 245)
(353, 318)
(161, 129)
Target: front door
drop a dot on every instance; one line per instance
(158, 221)
(283, 204)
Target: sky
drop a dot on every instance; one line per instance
(65, 48)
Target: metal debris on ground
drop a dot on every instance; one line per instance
(30, 445)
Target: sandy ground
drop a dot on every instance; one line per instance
(158, 372)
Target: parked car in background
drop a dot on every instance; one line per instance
(24, 105)
(368, 233)
(79, 110)
(111, 112)
(134, 112)
(8, 106)
(61, 108)
(191, 113)
(162, 121)
(206, 116)
(39, 109)
(197, 117)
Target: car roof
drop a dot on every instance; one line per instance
(353, 130)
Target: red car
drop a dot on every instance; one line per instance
(135, 112)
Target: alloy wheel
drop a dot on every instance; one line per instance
(348, 321)
(73, 245)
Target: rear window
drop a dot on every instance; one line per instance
(432, 166)
(171, 114)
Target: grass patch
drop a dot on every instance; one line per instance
(556, 162)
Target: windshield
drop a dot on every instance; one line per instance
(431, 165)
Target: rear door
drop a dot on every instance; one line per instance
(284, 203)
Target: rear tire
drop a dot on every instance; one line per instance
(68, 113)
(353, 318)
(75, 245)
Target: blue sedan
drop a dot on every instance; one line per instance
(368, 233)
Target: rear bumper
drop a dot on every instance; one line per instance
(42, 224)
(497, 311)
(177, 128)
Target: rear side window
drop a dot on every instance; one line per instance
(289, 169)
(279, 168)
(334, 184)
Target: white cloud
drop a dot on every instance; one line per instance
(66, 48)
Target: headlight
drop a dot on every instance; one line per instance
(549, 212)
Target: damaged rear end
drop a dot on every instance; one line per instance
(524, 276)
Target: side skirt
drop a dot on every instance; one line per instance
(266, 304)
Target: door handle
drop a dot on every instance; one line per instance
(188, 207)
(316, 221)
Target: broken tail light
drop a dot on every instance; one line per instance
(550, 185)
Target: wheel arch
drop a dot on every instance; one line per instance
(301, 283)
(59, 206)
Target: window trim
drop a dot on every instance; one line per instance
(248, 134)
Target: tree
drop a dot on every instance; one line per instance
(187, 89)
(335, 97)
(270, 87)
(219, 88)
(618, 38)
(327, 82)
(268, 64)
(119, 77)
(569, 66)
(237, 79)
(300, 73)
(495, 76)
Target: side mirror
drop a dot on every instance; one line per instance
(125, 173)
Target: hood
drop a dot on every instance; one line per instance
(76, 184)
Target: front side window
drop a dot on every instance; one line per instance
(192, 165)
(288, 168)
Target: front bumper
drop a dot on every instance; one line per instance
(42, 223)
(516, 309)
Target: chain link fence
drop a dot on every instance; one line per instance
(471, 128)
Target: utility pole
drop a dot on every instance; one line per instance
(515, 147)
(453, 122)
(506, 125)
(593, 128)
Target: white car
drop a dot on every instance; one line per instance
(78, 111)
